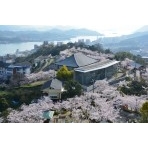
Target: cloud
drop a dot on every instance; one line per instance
(93, 14)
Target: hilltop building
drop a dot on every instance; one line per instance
(145, 59)
(96, 71)
(75, 61)
(87, 69)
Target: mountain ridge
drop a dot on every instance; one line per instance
(10, 33)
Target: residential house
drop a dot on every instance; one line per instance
(9, 59)
(3, 68)
(40, 60)
(22, 68)
(53, 88)
(145, 59)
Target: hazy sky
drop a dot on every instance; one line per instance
(101, 15)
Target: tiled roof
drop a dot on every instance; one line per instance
(77, 60)
(48, 114)
(2, 64)
(54, 83)
(26, 64)
(96, 66)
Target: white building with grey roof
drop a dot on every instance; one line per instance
(53, 88)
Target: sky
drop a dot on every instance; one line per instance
(117, 16)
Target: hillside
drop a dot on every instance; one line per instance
(137, 41)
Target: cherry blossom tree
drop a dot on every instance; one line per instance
(126, 63)
(38, 76)
(1, 120)
(93, 54)
(30, 114)
(103, 105)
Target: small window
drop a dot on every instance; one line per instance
(53, 97)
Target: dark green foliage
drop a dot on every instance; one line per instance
(120, 56)
(2, 88)
(128, 79)
(19, 59)
(19, 95)
(108, 51)
(3, 104)
(44, 51)
(96, 47)
(55, 50)
(72, 88)
(139, 60)
(135, 88)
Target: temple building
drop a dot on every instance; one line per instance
(75, 61)
(97, 71)
(87, 69)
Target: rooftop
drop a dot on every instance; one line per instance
(77, 60)
(24, 64)
(48, 114)
(96, 66)
(3, 65)
(145, 57)
(54, 83)
(40, 58)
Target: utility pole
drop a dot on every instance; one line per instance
(136, 105)
(93, 85)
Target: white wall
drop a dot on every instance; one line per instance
(27, 71)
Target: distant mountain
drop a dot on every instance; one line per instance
(14, 33)
(84, 32)
(15, 28)
(137, 43)
(143, 29)
(41, 28)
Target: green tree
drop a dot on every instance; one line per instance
(64, 74)
(144, 112)
(3, 104)
(135, 88)
(72, 88)
(108, 51)
(122, 55)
